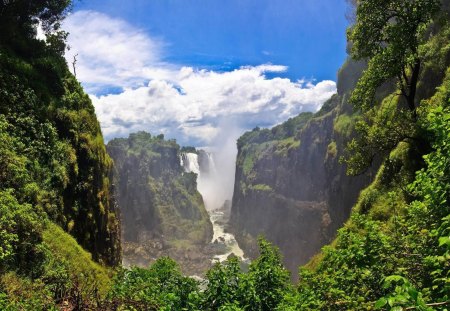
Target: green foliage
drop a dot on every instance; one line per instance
(269, 278)
(432, 187)
(288, 129)
(282, 147)
(248, 163)
(162, 286)
(188, 149)
(399, 41)
(224, 286)
(378, 133)
(260, 145)
(20, 293)
(20, 234)
(331, 150)
(152, 166)
(343, 125)
(393, 253)
(404, 294)
(261, 187)
(52, 148)
(54, 170)
(328, 106)
(88, 274)
(388, 34)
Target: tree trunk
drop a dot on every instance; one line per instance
(413, 87)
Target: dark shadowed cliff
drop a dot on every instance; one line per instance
(162, 211)
(290, 186)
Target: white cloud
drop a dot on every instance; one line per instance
(184, 103)
(195, 107)
(112, 53)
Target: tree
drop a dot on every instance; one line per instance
(20, 234)
(19, 19)
(388, 33)
(26, 12)
(224, 286)
(269, 278)
(160, 287)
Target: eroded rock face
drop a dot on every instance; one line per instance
(162, 212)
(290, 186)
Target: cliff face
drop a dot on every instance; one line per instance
(290, 186)
(54, 157)
(162, 211)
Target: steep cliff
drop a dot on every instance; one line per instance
(56, 206)
(290, 186)
(54, 156)
(162, 211)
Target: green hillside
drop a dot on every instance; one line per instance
(368, 175)
(54, 170)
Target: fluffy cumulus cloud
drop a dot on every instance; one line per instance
(195, 106)
(112, 53)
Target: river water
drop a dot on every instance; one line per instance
(216, 204)
(230, 245)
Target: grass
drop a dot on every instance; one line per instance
(248, 163)
(82, 268)
(283, 146)
(261, 187)
(344, 125)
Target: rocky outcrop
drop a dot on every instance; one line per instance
(162, 212)
(290, 186)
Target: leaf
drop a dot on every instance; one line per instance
(391, 301)
(380, 303)
(444, 241)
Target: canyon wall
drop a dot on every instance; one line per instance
(163, 214)
(290, 186)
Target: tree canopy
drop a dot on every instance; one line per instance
(388, 33)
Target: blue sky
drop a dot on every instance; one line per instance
(205, 71)
(308, 36)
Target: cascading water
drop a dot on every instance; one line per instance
(217, 202)
(189, 161)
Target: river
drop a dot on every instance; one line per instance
(217, 203)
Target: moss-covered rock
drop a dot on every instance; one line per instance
(161, 209)
(55, 135)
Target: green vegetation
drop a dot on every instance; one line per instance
(344, 125)
(282, 147)
(263, 144)
(59, 233)
(287, 129)
(226, 287)
(407, 247)
(331, 150)
(163, 214)
(164, 200)
(83, 269)
(393, 252)
(261, 187)
(389, 34)
(395, 39)
(54, 171)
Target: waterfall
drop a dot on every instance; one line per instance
(208, 180)
(217, 201)
(189, 162)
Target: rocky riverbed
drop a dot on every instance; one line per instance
(193, 259)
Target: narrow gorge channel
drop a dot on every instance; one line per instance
(217, 205)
